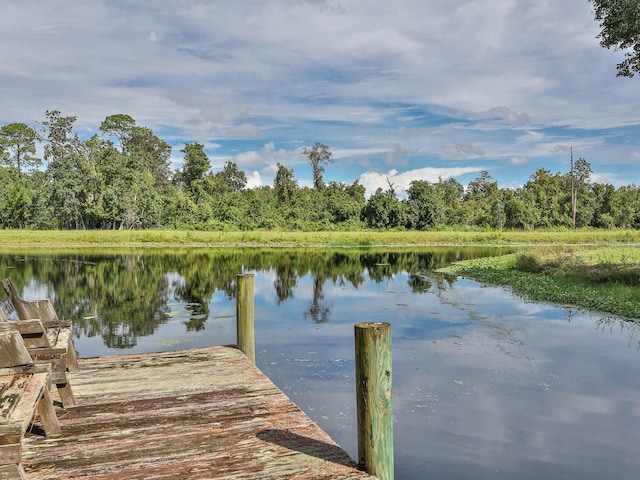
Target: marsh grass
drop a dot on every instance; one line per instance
(153, 238)
(604, 279)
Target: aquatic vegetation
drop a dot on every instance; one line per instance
(603, 279)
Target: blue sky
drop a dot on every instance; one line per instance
(399, 91)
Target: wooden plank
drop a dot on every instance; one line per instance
(6, 309)
(41, 309)
(14, 298)
(204, 413)
(10, 433)
(12, 472)
(22, 369)
(31, 326)
(71, 356)
(12, 396)
(12, 350)
(33, 391)
(64, 392)
(47, 414)
(11, 453)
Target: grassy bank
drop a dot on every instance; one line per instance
(604, 279)
(153, 238)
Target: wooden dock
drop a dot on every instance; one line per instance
(193, 414)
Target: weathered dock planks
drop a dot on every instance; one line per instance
(194, 414)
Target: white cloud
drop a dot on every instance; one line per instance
(248, 158)
(519, 161)
(254, 180)
(246, 130)
(270, 170)
(374, 180)
(459, 151)
(382, 83)
(268, 154)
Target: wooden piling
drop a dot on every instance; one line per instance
(245, 315)
(373, 391)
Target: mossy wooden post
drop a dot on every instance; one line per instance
(244, 315)
(373, 391)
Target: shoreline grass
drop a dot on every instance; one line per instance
(602, 279)
(327, 239)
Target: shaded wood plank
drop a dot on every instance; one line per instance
(12, 350)
(12, 472)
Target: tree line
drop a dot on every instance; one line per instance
(121, 178)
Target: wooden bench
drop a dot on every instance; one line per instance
(24, 388)
(48, 341)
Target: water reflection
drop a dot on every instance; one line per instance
(485, 385)
(624, 327)
(123, 297)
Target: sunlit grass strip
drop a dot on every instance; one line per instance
(609, 297)
(128, 238)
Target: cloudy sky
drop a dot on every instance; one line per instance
(399, 90)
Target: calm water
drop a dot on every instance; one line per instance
(486, 386)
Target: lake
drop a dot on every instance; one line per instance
(485, 385)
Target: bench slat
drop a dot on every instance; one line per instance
(12, 396)
(28, 401)
(10, 433)
(10, 454)
(6, 309)
(12, 472)
(12, 350)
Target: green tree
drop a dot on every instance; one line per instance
(15, 212)
(384, 210)
(579, 185)
(606, 203)
(426, 205)
(147, 151)
(18, 147)
(260, 208)
(66, 186)
(144, 149)
(318, 155)
(520, 209)
(285, 186)
(627, 213)
(551, 197)
(451, 191)
(231, 177)
(41, 215)
(497, 214)
(620, 28)
(137, 177)
(119, 126)
(93, 152)
(345, 202)
(480, 198)
(196, 164)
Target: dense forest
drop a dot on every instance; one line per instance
(121, 178)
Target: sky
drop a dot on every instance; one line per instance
(398, 90)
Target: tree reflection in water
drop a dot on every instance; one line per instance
(125, 295)
(630, 327)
